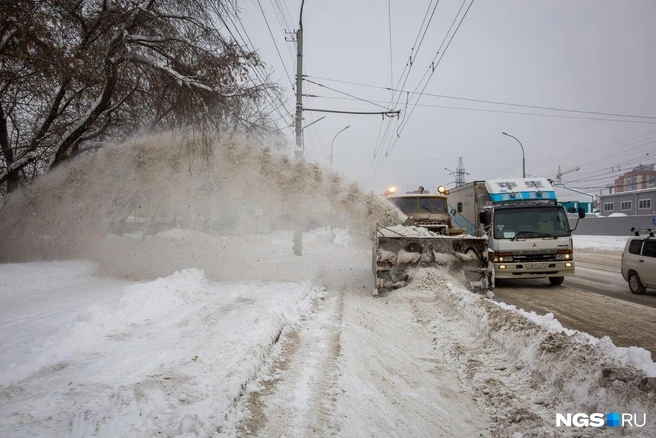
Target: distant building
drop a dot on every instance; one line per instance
(641, 177)
(633, 203)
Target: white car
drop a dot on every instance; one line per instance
(639, 263)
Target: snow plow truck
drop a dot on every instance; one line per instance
(427, 238)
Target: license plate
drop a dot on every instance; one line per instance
(536, 265)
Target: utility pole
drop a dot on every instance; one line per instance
(299, 86)
(298, 152)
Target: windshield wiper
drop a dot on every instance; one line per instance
(426, 208)
(533, 234)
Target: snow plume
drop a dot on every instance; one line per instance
(502, 350)
(119, 206)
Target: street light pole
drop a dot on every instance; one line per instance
(331, 146)
(523, 156)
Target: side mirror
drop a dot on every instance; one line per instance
(453, 212)
(482, 217)
(459, 205)
(581, 213)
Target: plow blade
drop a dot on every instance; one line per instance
(399, 249)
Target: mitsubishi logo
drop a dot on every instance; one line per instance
(534, 245)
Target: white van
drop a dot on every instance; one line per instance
(639, 263)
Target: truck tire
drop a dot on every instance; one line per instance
(635, 284)
(556, 281)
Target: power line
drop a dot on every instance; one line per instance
(596, 149)
(288, 16)
(384, 113)
(261, 76)
(432, 68)
(628, 166)
(284, 26)
(346, 94)
(286, 19)
(490, 101)
(558, 116)
(275, 44)
(389, 14)
(404, 77)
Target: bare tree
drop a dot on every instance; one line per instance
(74, 73)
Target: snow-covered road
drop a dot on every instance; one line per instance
(84, 354)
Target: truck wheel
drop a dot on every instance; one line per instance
(556, 281)
(635, 284)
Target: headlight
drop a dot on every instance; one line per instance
(501, 257)
(564, 255)
(390, 191)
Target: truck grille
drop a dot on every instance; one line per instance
(534, 257)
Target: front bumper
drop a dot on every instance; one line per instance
(534, 269)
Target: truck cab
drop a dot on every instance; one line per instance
(527, 221)
(430, 211)
(529, 231)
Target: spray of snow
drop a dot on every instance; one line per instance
(149, 207)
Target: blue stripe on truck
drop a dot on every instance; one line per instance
(522, 196)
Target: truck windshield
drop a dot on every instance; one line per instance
(531, 222)
(420, 205)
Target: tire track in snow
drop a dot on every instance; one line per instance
(485, 371)
(298, 397)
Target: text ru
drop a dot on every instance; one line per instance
(612, 419)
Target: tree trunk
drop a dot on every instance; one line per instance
(13, 179)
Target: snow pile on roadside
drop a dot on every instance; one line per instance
(144, 358)
(636, 357)
(566, 367)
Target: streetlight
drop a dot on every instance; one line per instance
(331, 147)
(523, 156)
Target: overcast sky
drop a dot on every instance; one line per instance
(595, 59)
